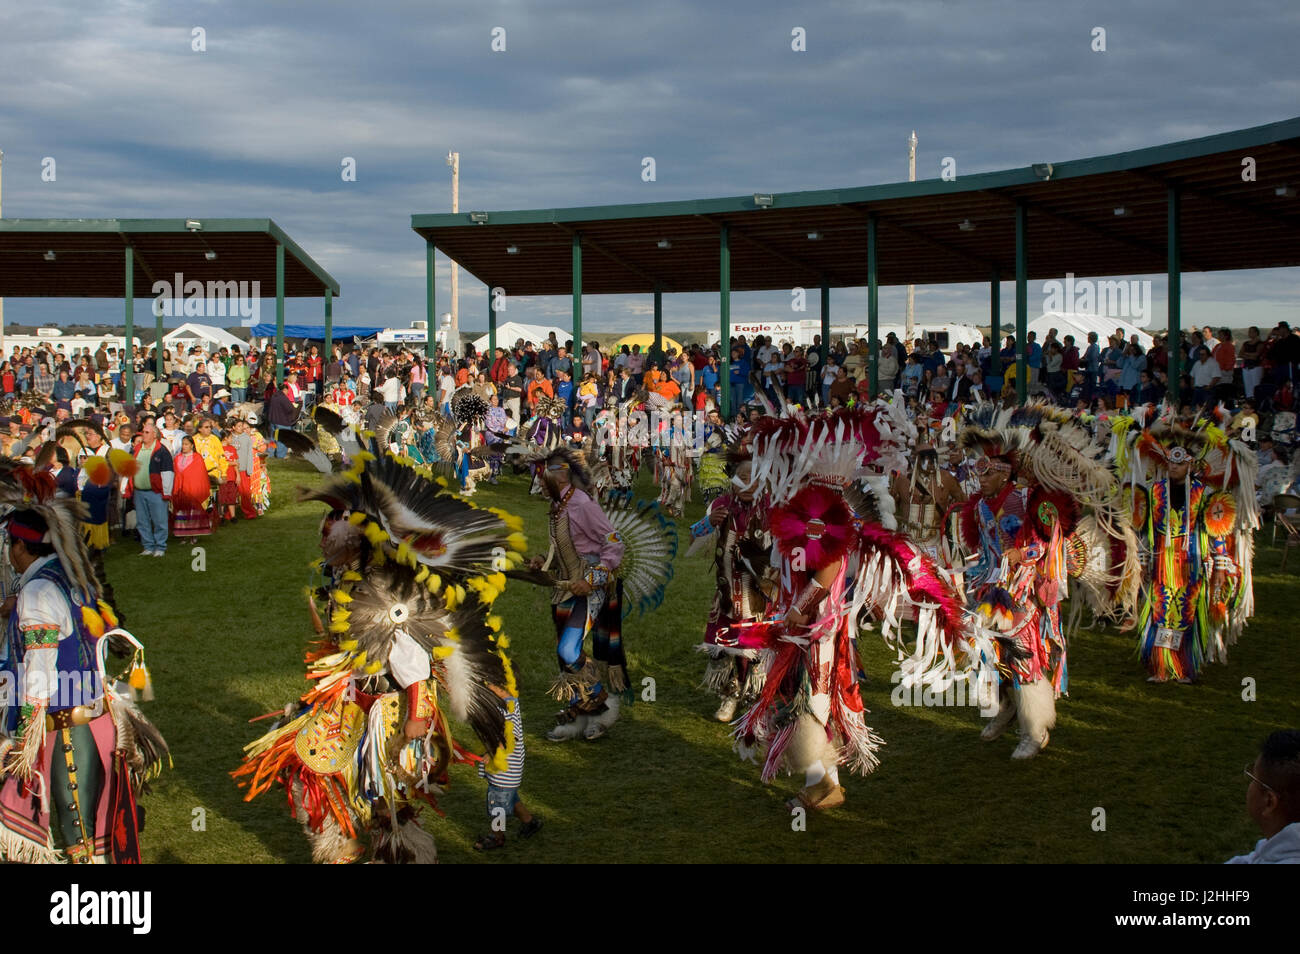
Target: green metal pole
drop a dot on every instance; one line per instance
(430, 319)
(492, 330)
(995, 313)
(1174, 242)
(724, 311)
(128, 359)
(1022, 302)
(873, 305)
(279, 314)
(826, 323)
(577, 293)
(329, 326)
(659, 319)
(159, 369)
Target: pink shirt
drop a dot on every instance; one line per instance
(592, 532)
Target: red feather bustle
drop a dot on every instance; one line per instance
(39, 486)
(816, 521)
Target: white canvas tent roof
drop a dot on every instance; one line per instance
(509, 332)
(1078, 325)
(207, 334)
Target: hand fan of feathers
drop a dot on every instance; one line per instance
(444, 440)
(468, 407)
(329, 421)
(444, 533)
(306, 448)
(649, 548)
(462, 648)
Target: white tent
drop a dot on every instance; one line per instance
(509, 332)
(1078, 325)
(190, 334)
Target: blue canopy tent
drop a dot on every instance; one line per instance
(315, 332)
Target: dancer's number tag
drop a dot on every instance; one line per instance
(1170, 639)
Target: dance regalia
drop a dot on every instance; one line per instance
(741, 561)
(838, 559)
(260, 480)
(1192, 530)
(408, 641)
(76, 753)
(626, 559)
(585, 546)
(190, 495)
(1176, 627)
(1020, 601)
(713, 465)
(1055, 517)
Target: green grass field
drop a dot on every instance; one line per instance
(1164, 762)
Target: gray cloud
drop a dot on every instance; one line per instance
(258, 124)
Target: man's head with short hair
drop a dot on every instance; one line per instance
(1273, 796)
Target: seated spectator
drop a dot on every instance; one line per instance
(1273, 801)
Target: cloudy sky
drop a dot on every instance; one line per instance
(141, 125)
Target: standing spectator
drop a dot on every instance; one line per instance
(1225, 355)
(237, 378)
(1205, 376)
(313, 373)
(592, 360)
(1252, 362)
(708, 377)
(1132, 364)
(1034, 362)
(1070, 363)
(419, 379)
(796, 377)
(151, 490)
(888, 367)
(740, 387)
(636, 361)
(563, 388)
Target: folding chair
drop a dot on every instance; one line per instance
(1284, 507)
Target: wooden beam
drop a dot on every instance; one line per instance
(589, 242)
(1157, 252)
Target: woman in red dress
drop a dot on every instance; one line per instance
(191, 493)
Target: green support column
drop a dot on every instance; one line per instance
(724, 312)
(826, 325)
(492, 330)
(430, 319)
(873, 305)
(659, 318)
(128, 366)
(279, 314)
(329, 326)
(1174, 242)
(1022, 302)
(995, 311)
(577, 293)
(159, 369)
